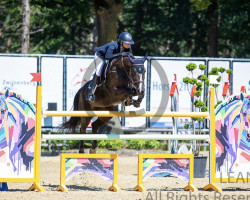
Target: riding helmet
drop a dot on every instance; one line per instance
(126, 38)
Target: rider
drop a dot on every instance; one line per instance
(108, 52)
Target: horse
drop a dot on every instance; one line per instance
(233, 134)
(17, 133)
(125, 77)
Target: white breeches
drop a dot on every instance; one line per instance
(99, 63)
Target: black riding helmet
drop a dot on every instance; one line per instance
(126, 38)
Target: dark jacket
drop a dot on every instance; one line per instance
(110, 50)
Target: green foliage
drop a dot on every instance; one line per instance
(143, 144)
(199, 84)
(197, 93)
(186, 126)
(202, 77)
(193, 81)
(199, 88)
(201, 120)
(222, 70)
(202, 67)
(136, 144)
(214, 71)
(219, 79)
(229, 71)
(201, 4)
(67, 27)
(152, 144)
(191, 66)
(199, 103)
(186, 80)
(207, 82)
(111, 144)
(194, 118)
(203, 109)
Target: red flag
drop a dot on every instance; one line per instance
(36, 77)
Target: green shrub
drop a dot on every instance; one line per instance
(111, 144)
(135, 144)
(202, 67)
(197, 93)
(229, 71)
(204, 109)
(186, 80)
(152, 144)
(186, 126)
(191, 66)
(221, 70)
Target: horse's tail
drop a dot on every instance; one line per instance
(73, 122)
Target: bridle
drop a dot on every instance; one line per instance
(131, 81)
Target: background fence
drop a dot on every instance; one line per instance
(62, 76)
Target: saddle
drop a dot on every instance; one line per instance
(103, 74)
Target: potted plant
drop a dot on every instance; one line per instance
(198, 105)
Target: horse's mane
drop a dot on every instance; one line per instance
(17, 98)
(118, 59)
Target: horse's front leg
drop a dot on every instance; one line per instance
(128, 101)
(137, 103)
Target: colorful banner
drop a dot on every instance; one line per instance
(17, 132)
(101, 166)
(156, 166)
(233, 137)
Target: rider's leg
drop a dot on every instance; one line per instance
(99, 63)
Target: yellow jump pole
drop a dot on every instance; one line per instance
(115, 186)
(212, 156)
(140, 186)
(37, 154)
(122, 114)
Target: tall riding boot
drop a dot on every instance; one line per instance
(91, 92)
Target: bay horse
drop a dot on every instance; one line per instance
(124, 79)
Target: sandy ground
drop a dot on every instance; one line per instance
(90, 186)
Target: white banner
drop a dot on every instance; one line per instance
(52, 88)
(15, 76)
(224, 77)
(241, 76)
(76, 69)
(162, 76)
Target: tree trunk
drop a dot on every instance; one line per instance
(26, 26)
(106, 13)
(213, 30)
(138, 26)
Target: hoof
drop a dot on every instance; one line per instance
(93, 151)
(81, 150)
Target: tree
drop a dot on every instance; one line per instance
(26, 26)
(106, 13)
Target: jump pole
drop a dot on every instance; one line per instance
(123, 114)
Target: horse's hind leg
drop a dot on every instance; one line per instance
(84, 124)
(101, 121)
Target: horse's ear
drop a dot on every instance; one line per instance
(145, 57)
(131, 59)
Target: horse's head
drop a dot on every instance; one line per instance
(245, 111)
(138, 74)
